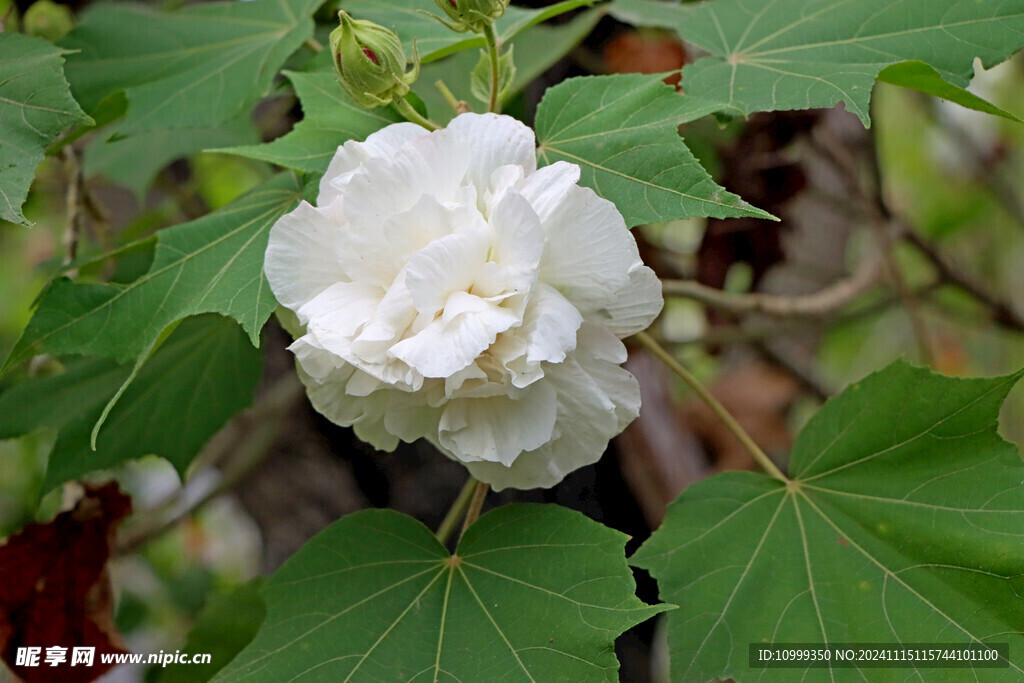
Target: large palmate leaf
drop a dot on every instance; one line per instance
(135, 160)
(199, 66)
(622, 132)
(204, 373)
(533, 593)
(903, 521)
(35, 107)
(210, 265)
(329, 118)
(798, 54)
(433, 40)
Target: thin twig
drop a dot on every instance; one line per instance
(1001, 312)
(456, 511)
(713, 403)
(819, 304)
(73, 204)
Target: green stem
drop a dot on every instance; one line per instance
(456, 511)
(494, 54)
(449, 97)
(407, 110)
(716, 407)
(314, 45)
(475, 505)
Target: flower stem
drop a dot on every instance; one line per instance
(410, 114)
(456, 511)
(493, 53)
(716, 407)
(475, 505)
(455, 103)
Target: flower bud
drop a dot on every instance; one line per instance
(471, 15)
(370, 62)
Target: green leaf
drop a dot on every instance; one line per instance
(210, 265)
(537, 49)
(199, 66)
(622, 132)
(410, 20)
(135, 160)
(35, 107)
(480, 77)
(923, 78)
(329, 118)
(903, 522)
(203, 374)
(533, 593)
(226, 625)
(800, 54)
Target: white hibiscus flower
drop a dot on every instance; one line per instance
(452, 291)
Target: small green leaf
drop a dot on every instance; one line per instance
(410, 20)
(35, 107)
(203, 374)
(533, 593)
(199, 66)
(800, 54)
(903, 522)
(210, 265)
(923, 78)
(622, 132)
(480, 78)
(329, 118)
(226, 625)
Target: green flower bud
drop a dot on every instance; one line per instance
(370, 62)
(471, 15)
(49, 20)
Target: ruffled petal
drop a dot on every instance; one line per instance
(444, 266)
(340, 310)
(589, 252)
(365, 413)
(549, 326)
(380, 145)
(635, 306)
(443, 348)
(596, 400)
(300, 261)
(500, 428)
(547, 188)
(495, 141)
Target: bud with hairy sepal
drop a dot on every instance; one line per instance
(471, 15)
(370, 62)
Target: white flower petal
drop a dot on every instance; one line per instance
(350, 156)
(300, 261)
(635, 306)
(500, 428)
(589, 252)
(549, 326)
(547, 188)
(339, 311)
(596, 400)
(365, 413)
(496, 141)
(443, 348)
(444, 266)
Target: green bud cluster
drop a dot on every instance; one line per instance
(471, 15)
(370, 62)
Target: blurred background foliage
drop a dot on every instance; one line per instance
(954, 175)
